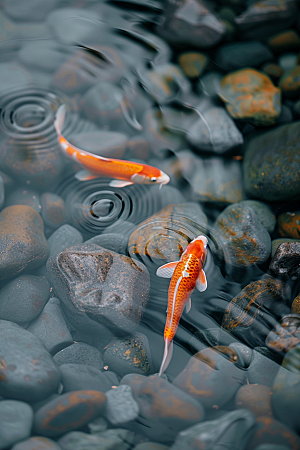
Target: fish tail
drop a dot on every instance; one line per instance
(60, 118)
(167, 356)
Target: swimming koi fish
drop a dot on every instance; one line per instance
(186, 275)
(124, 172)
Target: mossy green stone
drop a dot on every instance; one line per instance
(272, 164)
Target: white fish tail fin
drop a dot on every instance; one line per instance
(167, 356)
(60, 118)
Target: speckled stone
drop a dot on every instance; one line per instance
(264, 213)
(50, 326)
(23, 196)
(78, 377)
(289, 224)
(191, 23)
(237, 55)
(27, 371)
(22, 241)
(285, 41)
(296, 305)
(62, 238)
(211, 378)
(193, 63)
(254, 311)
(244, 239)
(290, 83)
(164, 409)
(68, 412)
(15, 422)
(232, 430)
(121, 406)
(91, 281)
(285, 335)
(250, 95)
(116, 438)
(79, 353)
(270, 431)
(214, 132)
(256, 398)
(23, 298)
(274, 174)
(286, 261)
(53, 210)
(37, 443)
(129, 355)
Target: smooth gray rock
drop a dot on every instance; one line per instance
(79, 353)
(15, 422)
(117, 438)
(264, 213)
(121, 406)
(77, 377)
(262, 369)
(62, 238)
(37, 443)
(237, 55)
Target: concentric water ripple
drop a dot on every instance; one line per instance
(94, 205)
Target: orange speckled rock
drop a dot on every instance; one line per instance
(290, 82)
(250, 95)
(164, 409)
(296, 305)
(270, 431)
(289, 224)
(210, 377)
(68, 412)
(22, 241)
(256, 398)
(252, 313)
(193, 63)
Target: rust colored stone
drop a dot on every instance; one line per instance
(251, 95)
(290, 82)
(287, 40)
(296, 305)
(289, 224)
(256, 398)
(68, 412)
(193, 63)
(270, 431)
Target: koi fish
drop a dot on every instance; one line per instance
(186, 275)
(124, 172)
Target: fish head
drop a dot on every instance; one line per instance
(153, 178)
(198, 247)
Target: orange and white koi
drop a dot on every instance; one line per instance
(124, 172)
(186, 275)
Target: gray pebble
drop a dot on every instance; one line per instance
(62, 238)
(107, 440)
(262, 369)
(23, 196)
(77, 377)
(15, 422)
(23, 298)
(79, 353)
(112, 241)
(51, 328)
(36, 443)
(121, 406)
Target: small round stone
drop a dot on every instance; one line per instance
(36, 443)
(53, 210)
(193, 63)
(62, 238)
(79, 353)
(290, 82)
(121, 406)
(15, 422)
(68, 412)
(289, 224)
(256, 398)
(77, 377)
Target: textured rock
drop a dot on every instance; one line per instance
(286, 261)
(256, 309)
(23, 298)
(106, 440)
(164, 409)
(22, 241)
(211, 378)
(232, 430)
(78, 377)
(121, 406)
(250, 95)
(68, 412)
(289, 224)
(274, 174)
(129, 355)
(256, 398)
(50, 326)
(285, 334)
(79, 353)
(27, 371)
(99, 289)
(245, 241)
(264, 213)
(15, 422)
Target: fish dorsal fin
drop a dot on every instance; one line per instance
(85, 175)
(167, 270)
(201, 283)
(120, 183)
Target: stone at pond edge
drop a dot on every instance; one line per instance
(27, 371)
(100, 290)
(15, 422)
(22, 241)
(231, 431)
(68, 412)
(274, 174)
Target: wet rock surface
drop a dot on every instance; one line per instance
(78, 377)
(99, 289)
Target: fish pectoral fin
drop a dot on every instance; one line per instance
(201, 283)
(85, 175)
(167, 356)
(188, 305)
(120, 183)
(167, 270)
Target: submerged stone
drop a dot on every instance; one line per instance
(79, 353)
(286, 261)
(37, 443)
(290, 83)
(121, 406)
(193, 63)
(100, 290)
(77, 377)
(15, 422)
(250, 95)
(116, 438)
(289, 224)
(256, 398)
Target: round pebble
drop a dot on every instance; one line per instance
(79, 353)
(77, 377)
(62, 238)
(256, 398)
(15, 422)
(36, 443)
